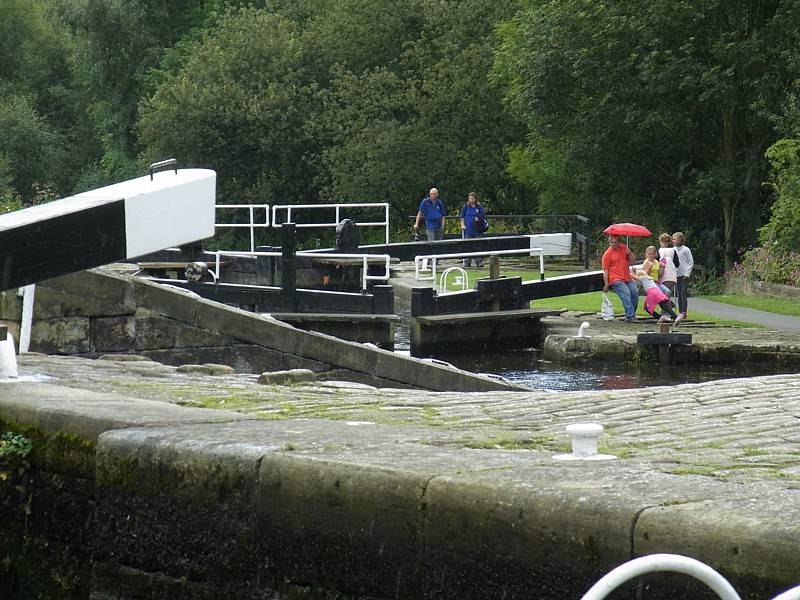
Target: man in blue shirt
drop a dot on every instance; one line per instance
(432, 210)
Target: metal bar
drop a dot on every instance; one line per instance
(659, 563)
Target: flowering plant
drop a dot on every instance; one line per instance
(770, 264)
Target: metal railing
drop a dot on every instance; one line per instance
(289, 208)
(366, 260)
(434, 258)
(461, 279)
(659, 563)
(252, 224)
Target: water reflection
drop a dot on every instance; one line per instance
(526, 368)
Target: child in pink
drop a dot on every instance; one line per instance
(654, 297)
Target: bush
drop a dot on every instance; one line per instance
(14, 451)
(768, 263)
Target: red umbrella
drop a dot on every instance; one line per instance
(628, 229)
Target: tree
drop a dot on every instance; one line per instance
(428, 117)
(47, 136)
(658, 101)
(31, 150)
(239, 105)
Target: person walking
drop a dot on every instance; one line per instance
(431, 209)
(473, 218)
(617, 261)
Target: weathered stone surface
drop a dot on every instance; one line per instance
(752, 539)
(123, 357)
(290, 376)
(96, 292)
(113, 334)
(62, 336)
(418, 494)
(206, 369)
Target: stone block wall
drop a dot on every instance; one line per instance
(761, 289)
(99, 311)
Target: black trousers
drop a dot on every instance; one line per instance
(682, 294)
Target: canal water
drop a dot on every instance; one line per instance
(525, 367)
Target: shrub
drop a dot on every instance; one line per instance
(769, 263)
(14, 451)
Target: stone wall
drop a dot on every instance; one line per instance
(97, 312)
(762, 289)
(141, 499)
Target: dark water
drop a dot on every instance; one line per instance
(526, 368)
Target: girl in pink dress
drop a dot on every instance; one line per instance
(654, 297)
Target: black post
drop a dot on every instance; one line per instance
(382, 300)
(423, 302)
(288, 274)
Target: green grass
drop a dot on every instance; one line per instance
(781, 307)
(590, 302)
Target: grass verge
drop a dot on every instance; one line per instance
(773, 305)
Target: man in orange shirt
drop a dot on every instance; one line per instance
(617, 261)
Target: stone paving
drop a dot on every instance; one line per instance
(736, 429)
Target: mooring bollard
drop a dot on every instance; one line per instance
(584, 443)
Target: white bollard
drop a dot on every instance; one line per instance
(584, 443)
(8, 358)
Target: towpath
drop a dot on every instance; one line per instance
(746, 315)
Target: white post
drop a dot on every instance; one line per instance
(27, 293)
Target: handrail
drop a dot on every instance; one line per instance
(365, 258)
(337, 206)
(434, 258)
(252, 224)
(446, 272)
(658, 563)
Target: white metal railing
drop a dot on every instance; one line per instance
(289, 208)
(461, 279)
(252, 224)
(659, 563)
(434, 258)
(366, 259)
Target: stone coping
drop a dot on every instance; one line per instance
(706, 470)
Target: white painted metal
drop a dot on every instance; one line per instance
(658, 563)
(27, 292)
(165, 210)
(584, 438)
(434, 258)
(792, 594)
(289, 208)
(252, 224)
(8, 358)
(553, 244)
(462, 275)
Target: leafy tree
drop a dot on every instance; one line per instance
(30, 150)
(665, 107)
(238, 105)
(429, 117)
(781, 230)
(40, 102)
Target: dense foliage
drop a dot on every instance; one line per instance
(654, 111)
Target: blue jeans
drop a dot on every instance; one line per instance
(628, 294)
